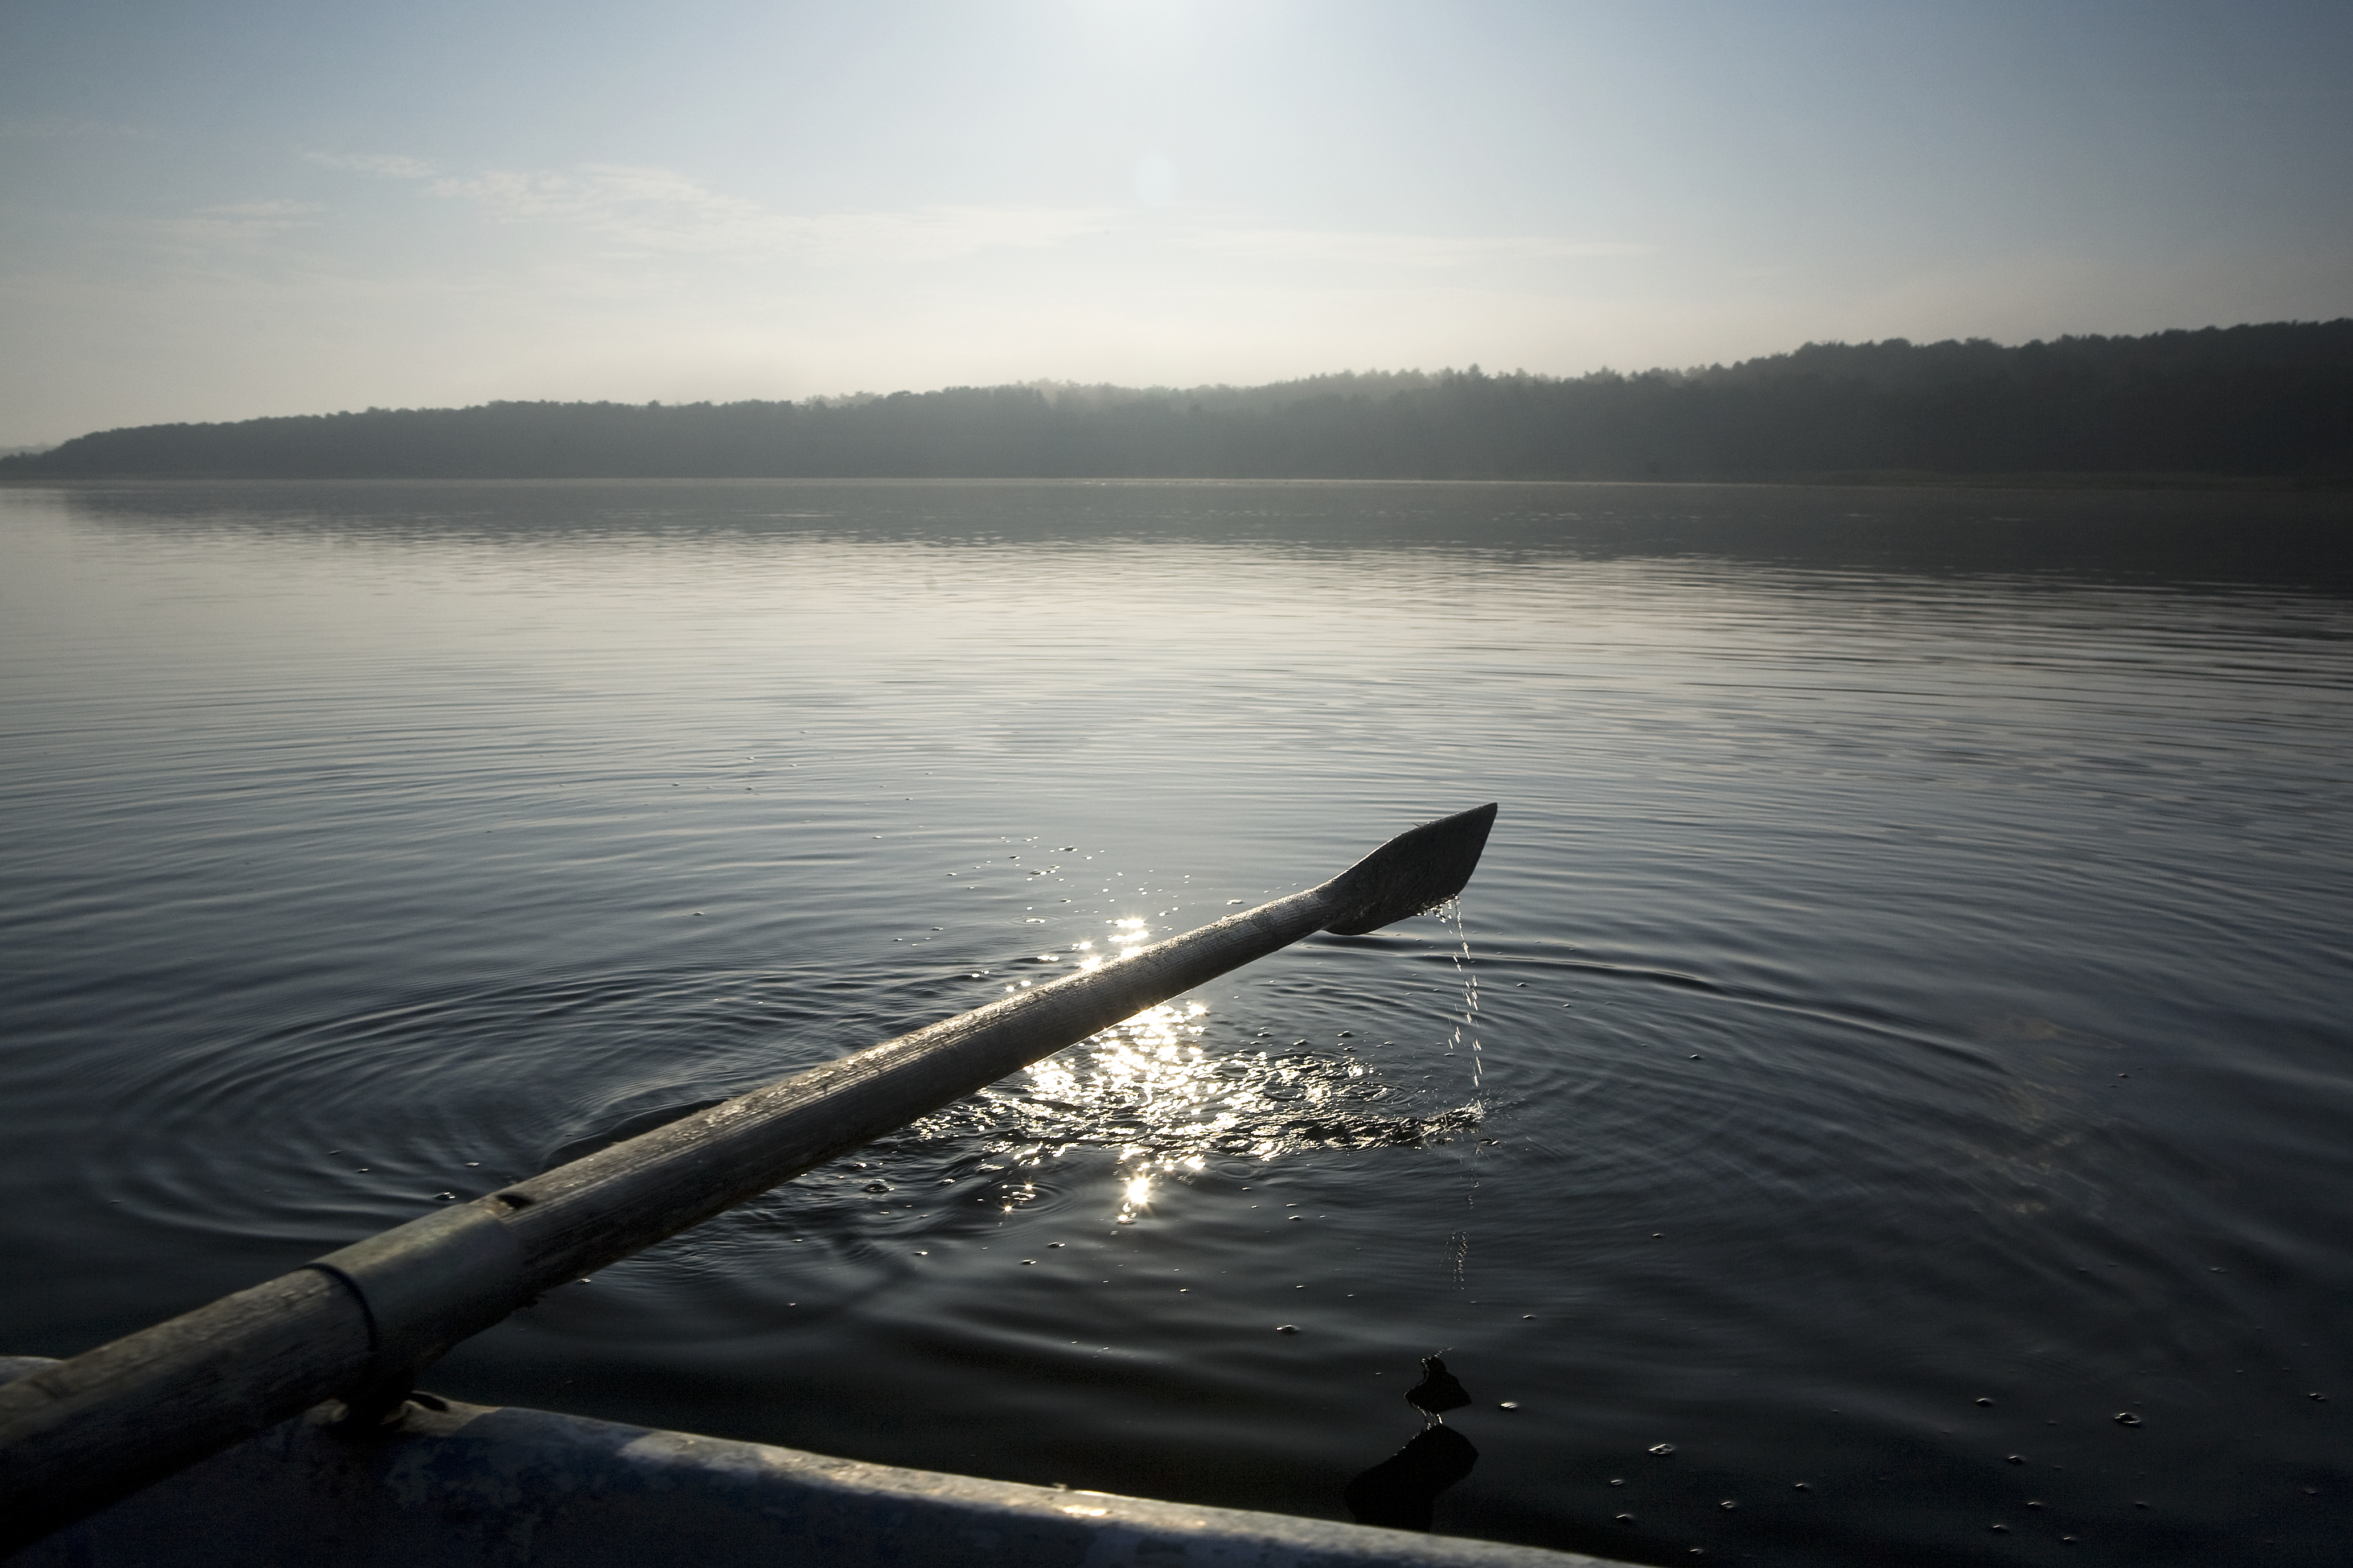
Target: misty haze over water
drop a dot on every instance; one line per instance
(1897, 1029)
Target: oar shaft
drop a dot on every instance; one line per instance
(88, 1431)
(77, 1436)
(583, 1215)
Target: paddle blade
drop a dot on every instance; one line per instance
(1411, 873)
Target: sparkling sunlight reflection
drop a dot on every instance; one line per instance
(1153, 1093)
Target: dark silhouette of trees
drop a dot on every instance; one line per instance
(2251, 402)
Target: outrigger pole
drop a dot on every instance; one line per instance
(357, 1324)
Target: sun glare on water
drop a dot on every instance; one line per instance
(1162, 1094)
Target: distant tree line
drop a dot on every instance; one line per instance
(2271, 401)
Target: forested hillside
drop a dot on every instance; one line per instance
(2272, 401)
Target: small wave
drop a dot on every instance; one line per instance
(332, 1129)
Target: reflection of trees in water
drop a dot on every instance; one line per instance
(1847, 539)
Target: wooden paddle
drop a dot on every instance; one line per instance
(357, 1323)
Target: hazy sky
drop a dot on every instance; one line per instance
(217, 210)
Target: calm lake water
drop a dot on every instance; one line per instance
(1898, 1028)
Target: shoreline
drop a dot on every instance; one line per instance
(1868, 478)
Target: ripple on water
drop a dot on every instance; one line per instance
(327, 1131)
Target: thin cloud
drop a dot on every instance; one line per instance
(277, 208)
(391, 165)
(52, 129)
(660, 211)
(246, 227)
(1412, 250)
